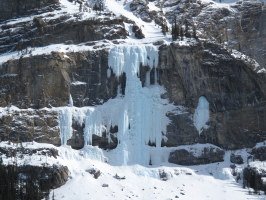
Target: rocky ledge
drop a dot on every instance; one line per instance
(196, 155)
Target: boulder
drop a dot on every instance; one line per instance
(190, 157)
(259, 153)
(138, 32)
(95, 172)
(236, 159)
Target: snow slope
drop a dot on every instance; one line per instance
(144, 183)
(163, 182)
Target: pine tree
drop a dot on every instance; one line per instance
(164, 28)
(175, 30)
(173, 33)
(187, 33)
(194, 32)
(181, 33)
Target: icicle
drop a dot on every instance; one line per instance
(70, 101)
(201, 115)
(65, 124)
(93, 125)
(148, 78)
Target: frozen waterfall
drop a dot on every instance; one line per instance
(143, 119)
(139, 114)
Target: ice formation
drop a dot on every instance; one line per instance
(93, 124)
(201, 115)
(140, 113)
(70, 101)
(143, 119)
(65, 123)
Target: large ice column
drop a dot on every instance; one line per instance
(201, 115)
(143, 111)
(65, 124)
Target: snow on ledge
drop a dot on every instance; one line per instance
(249, 61)
(78, 83)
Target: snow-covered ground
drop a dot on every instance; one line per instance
(144, 182)
(163, 182)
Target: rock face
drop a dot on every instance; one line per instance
(251, 30)
(48, 80)
(15, 8)
(141, 9)
(244, 29)
(21, 151)
(188, 157)
(40, 179)
(27, 164)
(235, 92)
(43, 31)
(37, 125)
(49, 178)
(240, 26)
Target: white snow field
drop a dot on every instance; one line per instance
(211, 181)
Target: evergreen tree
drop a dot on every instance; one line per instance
(175, 30)
(187, 33)
(164, 28)
(181, 33)
(195, 32)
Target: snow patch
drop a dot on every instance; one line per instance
(202, 114)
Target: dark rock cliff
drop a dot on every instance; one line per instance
(15, 8)
(65, 29)
(235, 91)
(48, 80)
(30, 182)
